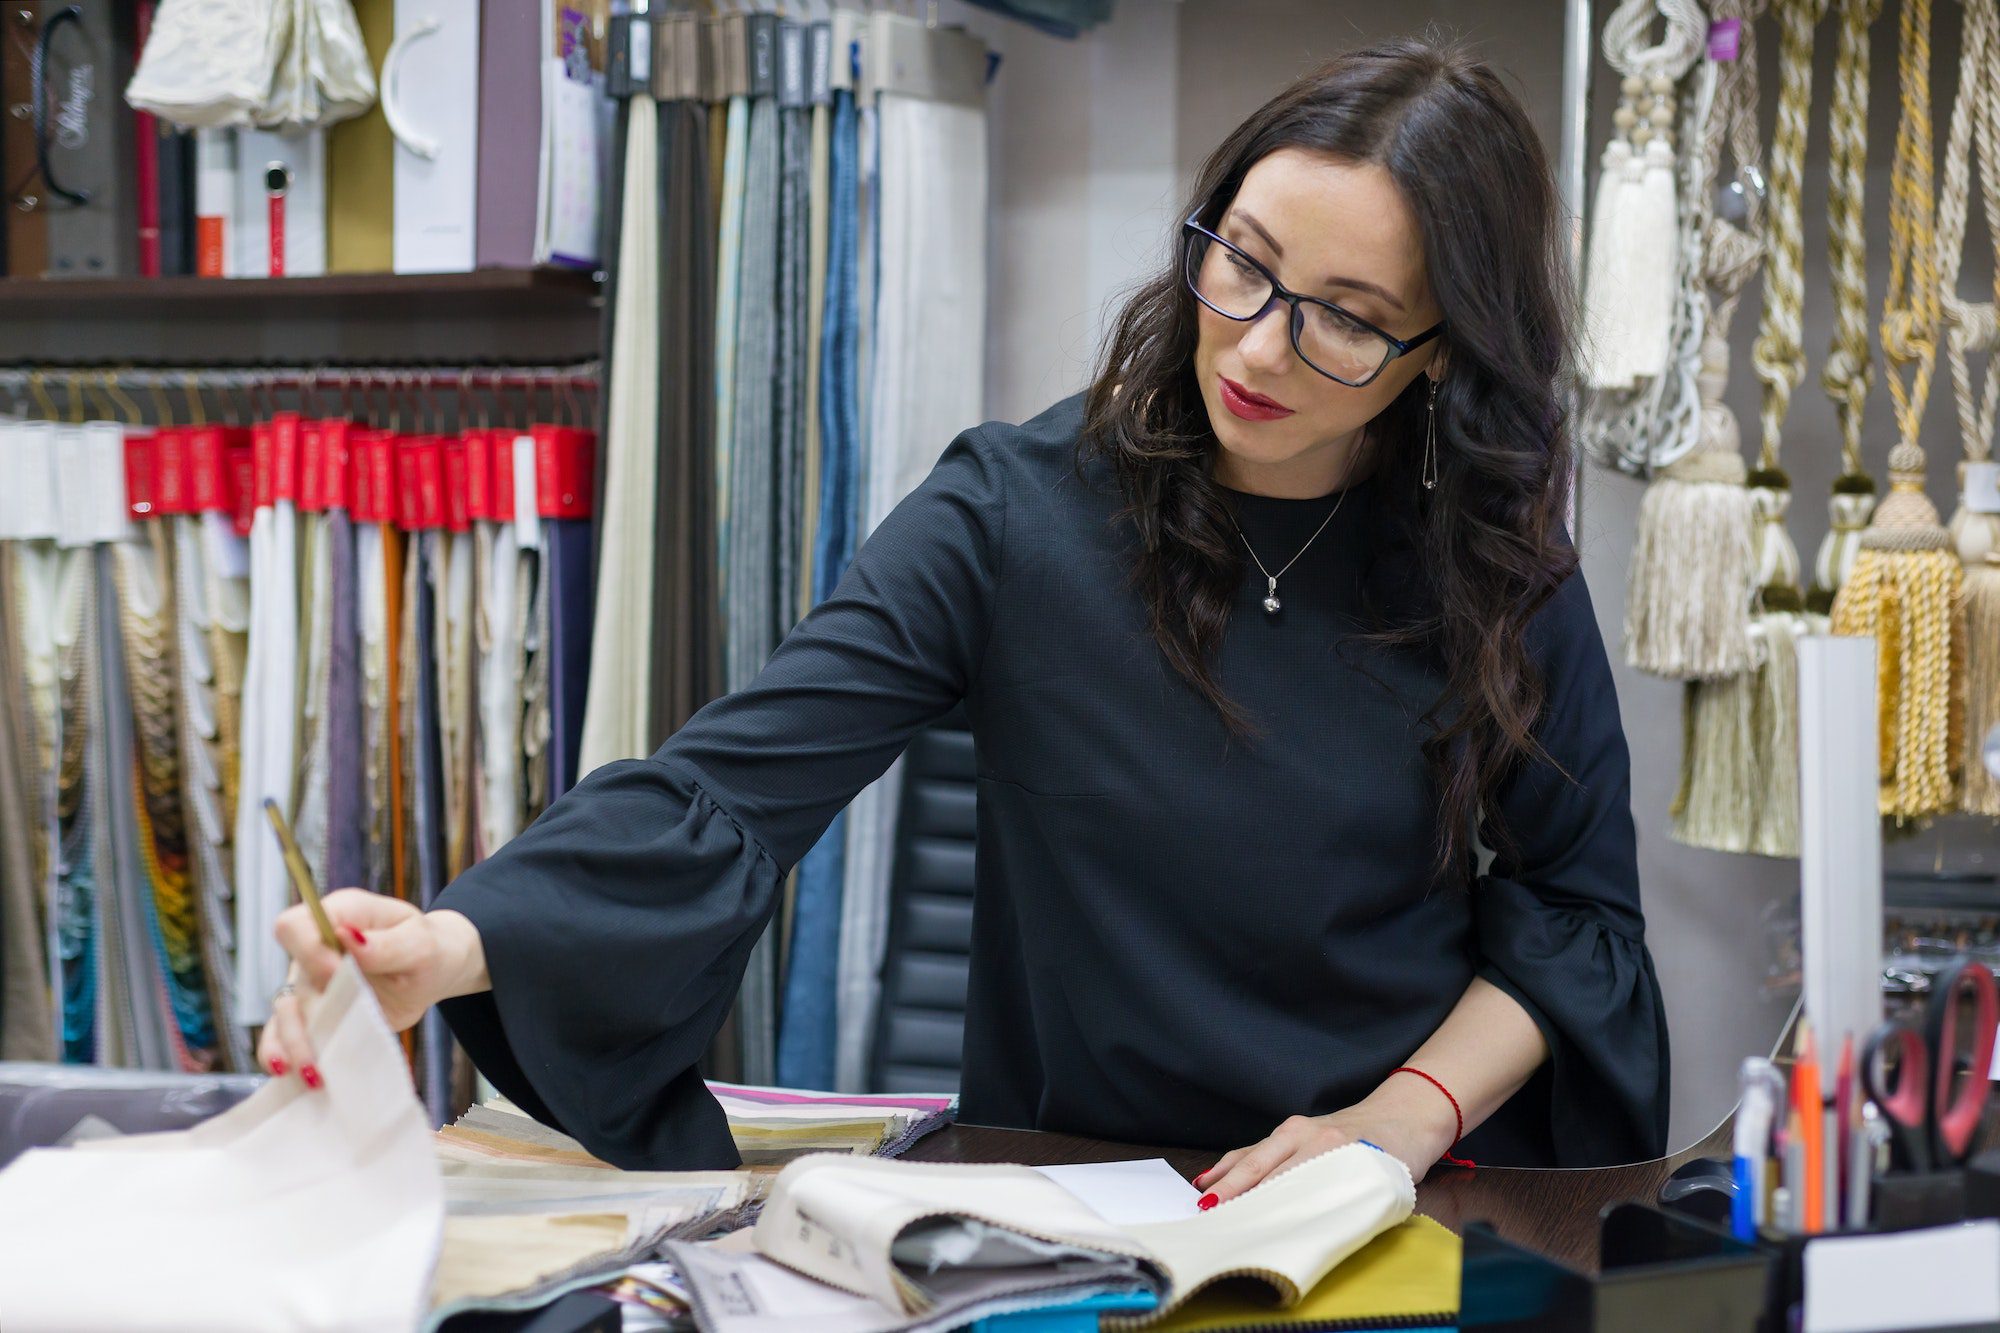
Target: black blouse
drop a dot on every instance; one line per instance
(1178, 938)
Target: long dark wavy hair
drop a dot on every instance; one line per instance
(1489, 543)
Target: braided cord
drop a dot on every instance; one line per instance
(1625, 32)
(1910, 306)
(1848, 367)
(1975, 117)
(1734, 249)
(1778, 354)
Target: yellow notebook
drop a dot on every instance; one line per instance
(1407, 1277)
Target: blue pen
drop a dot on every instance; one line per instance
(1751, 1145)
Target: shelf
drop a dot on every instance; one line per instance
(493, 314)
(442, 295)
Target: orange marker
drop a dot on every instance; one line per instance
(1808, 1101)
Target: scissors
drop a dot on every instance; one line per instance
(1913, 1075)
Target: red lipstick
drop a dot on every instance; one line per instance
(1250, 406)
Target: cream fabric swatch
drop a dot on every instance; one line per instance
(260, 1218)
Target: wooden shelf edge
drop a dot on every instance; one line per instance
(88, 295)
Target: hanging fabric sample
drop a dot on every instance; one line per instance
(324, 485)
(1905, 587)
(617, 719)
(1848, 361)
(807, 1043)
(1718, 761)
(27, 1014)
(1969, 327)
(270, 734)
(926, 369)
(795, 299)
(686, 614)
(212, 615)
(749, 584)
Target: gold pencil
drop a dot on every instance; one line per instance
(295, 862)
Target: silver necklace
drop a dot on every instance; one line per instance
(1271, 603)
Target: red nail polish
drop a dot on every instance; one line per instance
(311, 1076)
(1206, 1202)
(355, 934)
(278, 1067)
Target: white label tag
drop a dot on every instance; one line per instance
(10, 496)
(35, 514)
(111, 514)
(527, 501)
(1982, 488)
(76, 518)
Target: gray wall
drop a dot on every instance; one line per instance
(1064, 112)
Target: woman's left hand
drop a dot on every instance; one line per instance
(1398, 1132)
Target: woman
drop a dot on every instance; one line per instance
(1253, 636)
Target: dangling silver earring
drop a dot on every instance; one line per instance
(1431, 441)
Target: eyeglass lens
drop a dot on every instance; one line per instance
(1329, 340)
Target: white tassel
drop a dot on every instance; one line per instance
(1651, 229)
(1608, 272)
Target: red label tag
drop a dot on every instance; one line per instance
(501, 507)
(430, 482)
(208, 470)
(312, 468)
(171, 482)
(382, 476)
(336, 438)
(262, 446)
(285, 456)
(141, 460)
(360, 487)
(408, 513)
(478, 473)
(240, 491)
(456, 517)
(565, 468)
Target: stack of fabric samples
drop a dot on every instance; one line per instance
(517, 1234)
(771, 1126)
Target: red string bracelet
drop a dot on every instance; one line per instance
(1457, 1114)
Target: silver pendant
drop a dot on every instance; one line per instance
(1271, 602)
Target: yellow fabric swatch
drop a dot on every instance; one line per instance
(1410, 1269)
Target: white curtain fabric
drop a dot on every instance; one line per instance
(924, 374)
(210, 64)
(270, 724)
(616, 718)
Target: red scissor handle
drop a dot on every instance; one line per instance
(1906, 1101)
(1958, 1110)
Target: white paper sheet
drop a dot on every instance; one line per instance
(260, 1218)
(1939, 1277)
(1128, 1192)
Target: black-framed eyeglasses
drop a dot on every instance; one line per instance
(1338, 343)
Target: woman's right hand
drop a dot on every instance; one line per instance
(411, 958)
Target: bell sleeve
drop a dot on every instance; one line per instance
(617, 926)
(1557, 918)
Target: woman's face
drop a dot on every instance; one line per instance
(1339, 231)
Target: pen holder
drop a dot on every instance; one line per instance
(1658, 1271)
(1899, 1202)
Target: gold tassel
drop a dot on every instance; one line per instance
(1906, 590)
(1718, 764)
(1974, 535)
